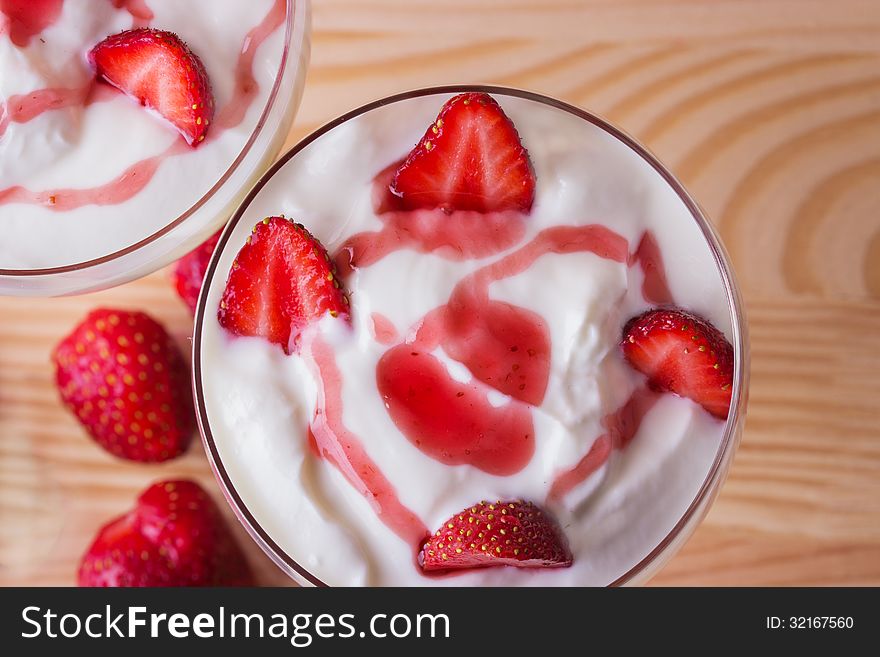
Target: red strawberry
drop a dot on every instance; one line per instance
(470, 158)
(175, 536)
(682, 353)
(189, 272)
(281, 281)
(501, 534)
(127, 382)
(159, 70)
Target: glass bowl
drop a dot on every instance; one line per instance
(653, 558)
(210, 211)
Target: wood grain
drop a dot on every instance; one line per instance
(769, 110)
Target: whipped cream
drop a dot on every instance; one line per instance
(77, 180)
(259, 402)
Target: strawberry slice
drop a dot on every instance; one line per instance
(512, 533)
(158, 69)
(126, 381)
(281, 281)
(682, 353)
(470, 158)
(189, 272)
(175, 536)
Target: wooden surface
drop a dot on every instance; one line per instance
(769, 110)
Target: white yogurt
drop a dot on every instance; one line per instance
(259, 401)
(83, 147)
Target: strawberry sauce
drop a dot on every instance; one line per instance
(655, 288)
(459, 236)
(344, 450)
(621, 427)
(141, 14)
(30, 17)
(505, 347)
(27, 107)
(24, 108)
(119, 190)
(384, 331)
(246, 86)
(455, 236)
(453, 422)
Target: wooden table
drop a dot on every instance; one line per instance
(769, 110)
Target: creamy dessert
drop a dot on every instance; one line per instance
(85, 171)
(473, 384)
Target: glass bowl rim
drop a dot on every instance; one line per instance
(736, 417)
(286, 59)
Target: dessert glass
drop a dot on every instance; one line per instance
(211, 210)
(655, 557)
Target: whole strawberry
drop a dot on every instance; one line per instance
(189, 272)
(175, 536)
(126, 381)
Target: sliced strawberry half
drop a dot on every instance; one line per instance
(682, 353)
(175, 536)
(281, 281)
(513, 533)
(160, 71)
(189, 272)
(471, 158)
